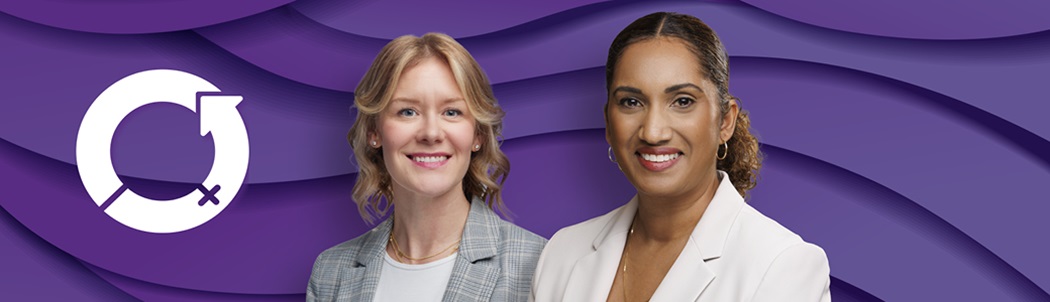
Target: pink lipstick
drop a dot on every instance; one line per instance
(657, 159)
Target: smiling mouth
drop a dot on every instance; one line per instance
(428, 159)
(659, 158)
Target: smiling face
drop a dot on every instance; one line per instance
(426, 132)
(663, 121)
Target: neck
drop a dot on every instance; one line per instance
(427, 225)
(668, 218)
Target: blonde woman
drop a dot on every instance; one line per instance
(425, 140)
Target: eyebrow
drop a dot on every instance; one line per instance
(453, 100)
(405, 100)
(671, 89)
(682, 86)
(627, 89)
(415, 101)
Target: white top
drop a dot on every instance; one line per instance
(734, 254)
(414, 282)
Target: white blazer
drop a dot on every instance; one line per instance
(734, 254)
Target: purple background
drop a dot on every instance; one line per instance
(907, 138)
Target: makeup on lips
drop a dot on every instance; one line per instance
(429, 160)
(657, 159)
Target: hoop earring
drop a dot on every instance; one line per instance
(612, 158)
(725, 145)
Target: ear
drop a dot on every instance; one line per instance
(729, 121)
(477, 142)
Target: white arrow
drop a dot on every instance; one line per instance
(219, 116)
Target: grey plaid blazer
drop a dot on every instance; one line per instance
(495, 263)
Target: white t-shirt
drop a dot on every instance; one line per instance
(414, 282)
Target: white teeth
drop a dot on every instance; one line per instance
(429, 159)
(659, 158)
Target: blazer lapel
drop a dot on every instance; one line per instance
(690, 275)
(363, 275)
(592, 276)
(474, 275)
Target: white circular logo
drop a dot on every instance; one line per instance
(218, 115)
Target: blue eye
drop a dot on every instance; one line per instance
(453, 112)
(630, 102)
(407, 112)
(683, 102)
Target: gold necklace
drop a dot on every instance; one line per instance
(625, 254)
(403, 256)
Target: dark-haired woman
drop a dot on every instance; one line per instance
(685, 144)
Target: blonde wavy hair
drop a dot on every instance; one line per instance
(489, 167)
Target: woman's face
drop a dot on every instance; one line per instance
(663, 119)
(426, 132)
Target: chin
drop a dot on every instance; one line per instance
(432, 190)
(434, 186)
(660, 188)
(662, 192)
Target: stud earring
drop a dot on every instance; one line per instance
(374, 143)
(477, 147)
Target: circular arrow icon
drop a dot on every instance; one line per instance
(218, 116)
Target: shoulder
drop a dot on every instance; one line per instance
(750, 238)
(333, 264)
(345, 254)
(803, 255)
(519, 241)
(776, 260)
(565, 248)
(799, 272)
(365, 247)
(578, 239)
(341, 253)
(788, 256)
(754, 241)
(485, 228)
(755, 231)
(493, 243)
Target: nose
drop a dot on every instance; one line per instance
(431, 132)
(655, 129)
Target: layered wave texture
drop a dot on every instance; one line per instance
(909, 139)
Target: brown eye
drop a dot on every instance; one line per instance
(683, 102)
(630, 103)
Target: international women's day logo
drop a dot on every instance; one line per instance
(218, 116)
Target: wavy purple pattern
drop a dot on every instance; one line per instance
(391, 19)
(916, 159)
(935, 248)
(940, 66)
(35, 269)
(912, 19)
(310, 122)
(115, 17)
(146, 291)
